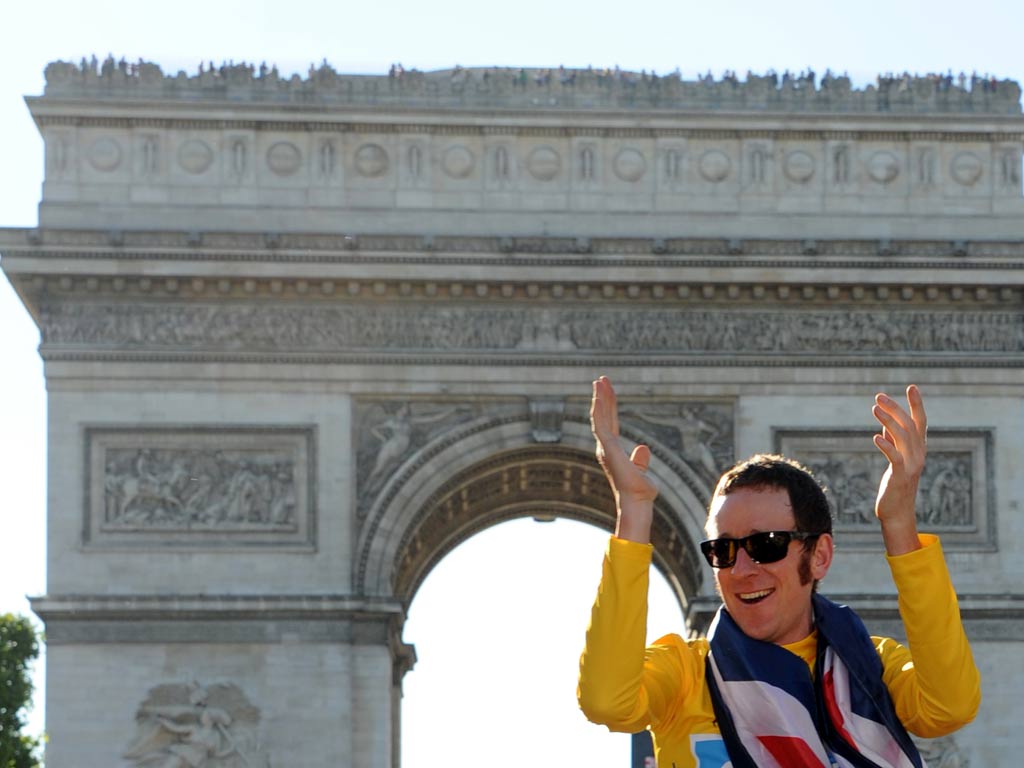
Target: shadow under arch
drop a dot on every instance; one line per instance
(485, 474)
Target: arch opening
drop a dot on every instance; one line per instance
(536, 481)
(501, 620)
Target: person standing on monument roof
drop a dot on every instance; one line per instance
(785, 678)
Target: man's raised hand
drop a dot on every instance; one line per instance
(902, 441)
(634, 490)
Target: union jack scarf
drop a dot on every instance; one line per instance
(773, 715)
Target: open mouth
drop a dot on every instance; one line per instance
(751, 598)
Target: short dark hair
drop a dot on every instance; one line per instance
(766, 470)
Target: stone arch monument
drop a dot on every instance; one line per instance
(304, 335)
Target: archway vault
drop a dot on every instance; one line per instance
(500, 473)
(537, 481)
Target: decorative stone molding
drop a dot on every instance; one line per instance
(217, 619)
(535, 89)
(215, 726)
(546, 416)
(198, 246)
(200, 487)
(955, 498)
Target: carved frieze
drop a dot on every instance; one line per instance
(954, 497)
(199, 487)
(255, 328)
(213, 726)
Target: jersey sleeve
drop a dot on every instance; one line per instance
(622, 684)
(934, 683)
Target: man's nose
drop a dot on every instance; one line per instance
(744, 563)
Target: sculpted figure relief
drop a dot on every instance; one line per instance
(387, 434)
(424, 327)
(945, 495)
(178, 489)
(942, 753)
(701, 433)
(192, 726)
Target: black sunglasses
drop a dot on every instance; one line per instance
(763, 547)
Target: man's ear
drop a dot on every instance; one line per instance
(821, 558)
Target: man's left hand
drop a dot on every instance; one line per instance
(902, 442)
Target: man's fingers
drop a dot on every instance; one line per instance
(888, 450)
(892, 429)
(641, 457)
(917, 413)
(604, 409)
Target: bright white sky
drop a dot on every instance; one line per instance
(498, 625)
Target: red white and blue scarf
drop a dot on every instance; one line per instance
(773, 715)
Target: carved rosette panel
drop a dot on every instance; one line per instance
(200, 487)
(214, 726)
(954, 496)
(410, 326)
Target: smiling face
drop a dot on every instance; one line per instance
(769, 601)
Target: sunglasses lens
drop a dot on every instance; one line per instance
(769, 547)
(720, 553)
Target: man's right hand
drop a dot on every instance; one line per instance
(634, 490)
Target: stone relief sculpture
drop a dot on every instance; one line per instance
(238, 159)
(387, 434)
(195, 726)
(57, 155)
(150, 156)
(501, 164)
(415, 161)
(180, 489)
(757, 165)
(588, 88)
(326, 156)
(942, 753)
(945, 495)
(700, 433)
(546, 332)
(673, 166)
(425, 327)
(406, 327)
(1009, 168)
(926, 167)
(587, 164)
(841, 165)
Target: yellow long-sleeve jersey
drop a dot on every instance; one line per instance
(628, 687)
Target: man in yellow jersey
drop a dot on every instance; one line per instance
(785, 678)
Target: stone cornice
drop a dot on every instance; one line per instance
(225, 607)
(909, 128)
(70, 265)
(188, 246)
